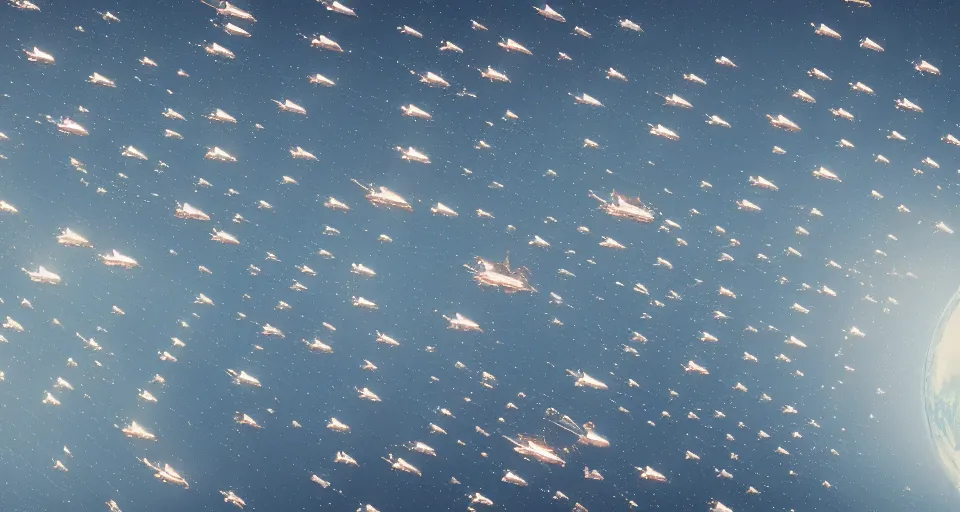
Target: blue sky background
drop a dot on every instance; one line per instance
(353, 129)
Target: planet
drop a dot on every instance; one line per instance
(941, 389)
